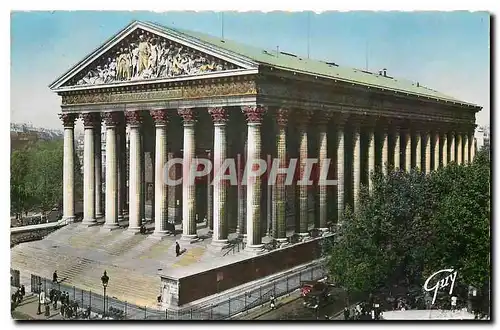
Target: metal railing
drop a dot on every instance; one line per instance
(226, 308)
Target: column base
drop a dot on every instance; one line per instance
(67, 220)
(282, 242)
(120, 217)
(133, 230)
(255, 249)
(219, 245)
(109, 227)
(159, 235)
(99, 215)
(89, 223)
(189, 238)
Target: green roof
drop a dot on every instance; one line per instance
(314, 67)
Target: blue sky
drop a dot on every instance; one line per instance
(447, 51)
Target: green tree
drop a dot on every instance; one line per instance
(413, 224)
(19, 198)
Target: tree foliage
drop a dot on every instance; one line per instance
(37, 177)
(413, 224)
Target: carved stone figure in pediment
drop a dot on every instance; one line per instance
(143, 56)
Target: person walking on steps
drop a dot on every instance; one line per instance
(177, 249)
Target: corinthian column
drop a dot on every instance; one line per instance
(303, 118)
(68, 120)
(444, 146)
(459, 151)
(407, 149)
(134, 120)
(98, 168)
(188, 188)
(279, 196)
(436, 151)
(385, 150)
(427, 141)
(397, 148)
(112, 119)
(356, 162)
(121, 152)
(452, 147)
(466, 148)
(371, 155)
(322, 120)
(89, 121)
(254, 116)
(219, 117)
(418, 150)
(340, 169)
(161, 191)
(472, 147)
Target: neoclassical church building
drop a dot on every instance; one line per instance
(182, 94)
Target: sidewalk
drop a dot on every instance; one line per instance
(263, 309)
(27, 310)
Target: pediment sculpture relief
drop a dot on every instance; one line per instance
(143, 56)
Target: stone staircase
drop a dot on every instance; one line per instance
(126, 285)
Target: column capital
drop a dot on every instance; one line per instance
(90, 119)
(188, 115)
(114, 118)
(254, 114)
(282, 115)
(160, 116)
(303, 117)
(323, 117)
(134, 118)
(219, 115)
(340, 119)
(68, 119)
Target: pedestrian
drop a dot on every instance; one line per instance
(346, 313)
(54, 277)
(453, 303)
(177, 249)
(23, 291)
(272, 302)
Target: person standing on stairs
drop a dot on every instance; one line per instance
(177, 249)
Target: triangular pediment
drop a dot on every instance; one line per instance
(144, 52)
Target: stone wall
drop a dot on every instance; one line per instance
(205, 284)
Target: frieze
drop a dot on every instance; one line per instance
(142, 56)
(184, 92)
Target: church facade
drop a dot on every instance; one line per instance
(181, 94)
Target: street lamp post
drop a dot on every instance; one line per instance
(104, 280)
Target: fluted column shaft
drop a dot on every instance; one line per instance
(112, 119)
(279, 196)
(466, 149)
(418, 150)
(407, 149)
(444, 152)
(241, 228)
(254, 116)
(385, 150)
(172, 209)
(161, 189)
(472, 147)
(340, 171)
(356, 163)
(220, 233)
(188, 188)
(121, 172)
(89, 121)
(452, 147)
(397, 148)
(371, 156)
(98, 169)
(303, 120)
(210, 195)
(68, 120)
(436, 151)
(322, 156)
(427, 141)
(459, 148)
(134, 119)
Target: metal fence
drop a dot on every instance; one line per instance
(223, 309)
